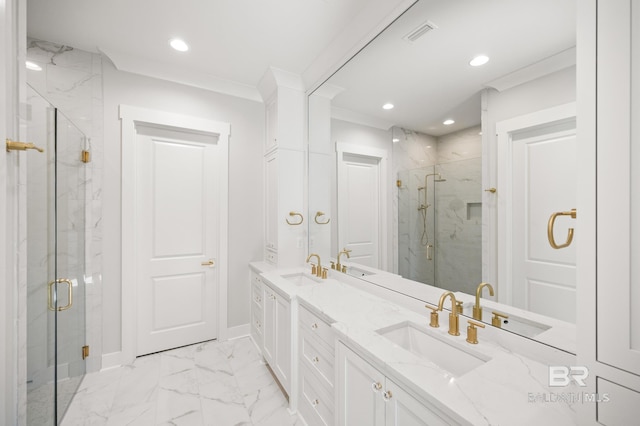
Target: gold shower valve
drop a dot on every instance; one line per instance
(21, 146)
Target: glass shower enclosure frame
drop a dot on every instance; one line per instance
(56, 200)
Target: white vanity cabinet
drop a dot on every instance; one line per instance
(271, 207)
(284, 169)
(277, 334)
(257, 310)
(609, 210)
(316, 372)
(365, 396)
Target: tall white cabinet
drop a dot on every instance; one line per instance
(609, 209)
(285, 223)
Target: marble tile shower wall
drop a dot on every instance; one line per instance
(459, 210)
(417, 225)
(453, 219)
(414, 150)
(71, 80)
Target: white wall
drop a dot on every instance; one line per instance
(245, 182)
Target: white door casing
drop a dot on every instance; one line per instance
(361, 196)
(537, 177)
(174, 212)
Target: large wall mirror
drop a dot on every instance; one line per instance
(440, 151)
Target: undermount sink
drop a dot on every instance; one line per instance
(301, 278)
(357, 272)
(516, 324)
(451, 356)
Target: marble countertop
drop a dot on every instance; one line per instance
(510, 388)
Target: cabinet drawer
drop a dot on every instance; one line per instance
(256, 326)
(256, 279)
(617, 405)
(316, 327)
(271, 257)
(316, 405)
(317, 358)
(256, 296)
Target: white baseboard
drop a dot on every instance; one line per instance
(111, 360)
(238, 331)
(116, 359)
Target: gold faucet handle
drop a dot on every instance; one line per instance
(314, 269)
(324, 273)
(459, 306)
(472, 331)
(333, 265)
(434, 320)
(344, 269)
(497, 318)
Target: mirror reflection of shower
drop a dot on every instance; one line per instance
(440, 224)
(423, 206)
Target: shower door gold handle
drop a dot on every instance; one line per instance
(551, 224)
(51, 290)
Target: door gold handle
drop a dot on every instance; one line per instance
(551, 224)
(50, 298)
(208, 263)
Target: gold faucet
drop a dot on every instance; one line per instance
(340, 267)
(477, 309)
(454, 329)
(317, 270)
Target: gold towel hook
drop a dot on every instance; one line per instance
(319, 214)
(21, 146)
(551, 224)
(293, 214)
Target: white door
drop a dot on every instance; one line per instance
(177, 215)
(359, 207)
(541, 159)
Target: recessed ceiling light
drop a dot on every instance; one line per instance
(394, 140)
(479, 60)
(387, 106)
(179, 45)
(448, 122)
(33, 66)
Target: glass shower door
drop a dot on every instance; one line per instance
(70, 272)
(56, 203)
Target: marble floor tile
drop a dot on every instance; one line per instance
(207, 384)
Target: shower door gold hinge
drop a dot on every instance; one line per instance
(85, 351)
(86, 156)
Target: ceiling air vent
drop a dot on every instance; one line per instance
(421, 30)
